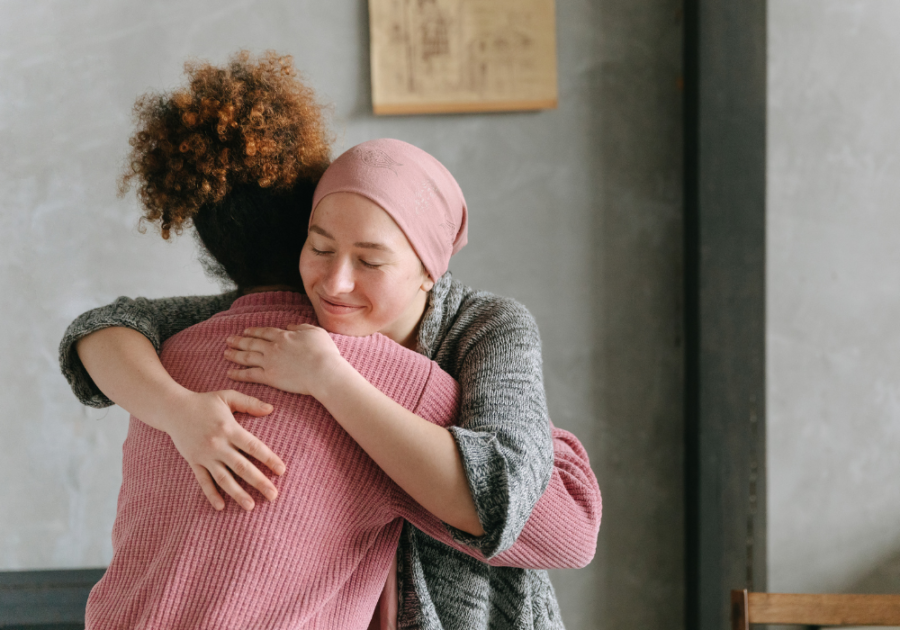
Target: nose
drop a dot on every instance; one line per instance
(339, 277)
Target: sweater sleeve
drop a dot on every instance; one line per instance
(561, 532)
(503, 432)
(155, 319)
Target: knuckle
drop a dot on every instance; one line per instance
(222, 478)
(253, 447)
(208, 444)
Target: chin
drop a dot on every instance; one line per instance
(348, 329)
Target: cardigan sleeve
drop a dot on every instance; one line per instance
(157, 320)
(503, 433)
(561, 532)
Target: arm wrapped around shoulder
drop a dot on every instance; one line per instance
(504, 429)
(157, 320)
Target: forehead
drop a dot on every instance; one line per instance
(350, 217)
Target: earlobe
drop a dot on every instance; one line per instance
(428, 284)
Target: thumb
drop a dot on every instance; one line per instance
(237, 401)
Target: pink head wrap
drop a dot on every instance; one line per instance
(416, 190)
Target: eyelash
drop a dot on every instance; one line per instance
(319, 252)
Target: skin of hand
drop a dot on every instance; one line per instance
(125, 366)
(422, 458)
(215, 445)
(296, 360)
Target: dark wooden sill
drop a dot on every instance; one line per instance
(45, 600)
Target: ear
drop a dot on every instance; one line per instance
(427, 282)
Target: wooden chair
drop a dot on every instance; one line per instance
(813, 610)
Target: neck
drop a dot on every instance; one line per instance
(408, 335)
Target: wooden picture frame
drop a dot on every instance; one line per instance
(455, 56)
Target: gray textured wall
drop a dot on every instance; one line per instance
(575, 212)
(834, 296)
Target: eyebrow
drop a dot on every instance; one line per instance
(361, 244)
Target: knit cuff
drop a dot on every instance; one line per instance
(487, 472)
(122, 313)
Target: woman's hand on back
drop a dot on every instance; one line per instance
(297, 360)
(203, 428)
(126, 368)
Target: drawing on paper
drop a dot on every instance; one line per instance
(431, 56)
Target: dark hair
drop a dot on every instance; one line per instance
(254, 235)
(237, 152)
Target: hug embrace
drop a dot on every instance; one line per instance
(379, 430)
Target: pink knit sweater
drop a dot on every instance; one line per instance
(320, 555)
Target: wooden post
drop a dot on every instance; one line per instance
(725, 192)
(739, 619)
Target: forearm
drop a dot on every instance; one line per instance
(562, 530)
(155, 319)
(124, 365)
(422, 458)
(126, 368)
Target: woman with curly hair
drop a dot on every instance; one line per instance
(231, 155)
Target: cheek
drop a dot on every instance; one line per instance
(393, 297)
(377, 291)
(307, 267)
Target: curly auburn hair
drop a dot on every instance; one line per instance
(249, 123)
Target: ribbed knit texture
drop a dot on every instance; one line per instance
(491, 345)
(319, 555)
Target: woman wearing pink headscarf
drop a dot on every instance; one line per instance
(387, 218)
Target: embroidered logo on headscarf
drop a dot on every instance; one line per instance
(451, 229)
(426, 191)
(376, 158)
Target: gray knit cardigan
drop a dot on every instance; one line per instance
(492, 347)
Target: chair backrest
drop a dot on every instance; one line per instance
(813, 610)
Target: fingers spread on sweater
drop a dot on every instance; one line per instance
(253, 447)
(247, 375)
(208, 487)
(243, 469)
(225, 480)
(269, 334)
(241, 357)
(243, 403)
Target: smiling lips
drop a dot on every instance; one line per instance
(336, 308)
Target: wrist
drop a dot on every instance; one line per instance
(164, 407)
(335, 375)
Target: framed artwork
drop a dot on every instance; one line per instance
(451, 56)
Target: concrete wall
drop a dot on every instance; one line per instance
(834, 296)
(575, 212)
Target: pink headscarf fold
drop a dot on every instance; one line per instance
(416, 190)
